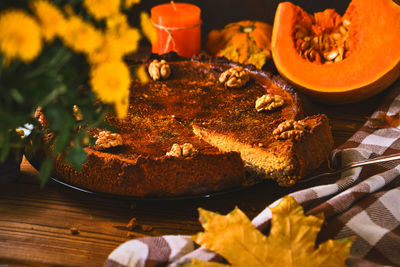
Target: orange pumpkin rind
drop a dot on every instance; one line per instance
(373, 57)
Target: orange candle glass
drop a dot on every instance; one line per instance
(178, 28)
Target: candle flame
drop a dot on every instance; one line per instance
(173, 5)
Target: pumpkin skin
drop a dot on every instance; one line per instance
(372, 64)
(247, 42)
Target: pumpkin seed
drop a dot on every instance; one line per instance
(298, 44)
(346, 23)
(342, 30)
(304, 46)
(338, 58)
(323, 48)
(331, 55)
(341, 51)
(312, 54)
(336, 36)
(340, 55)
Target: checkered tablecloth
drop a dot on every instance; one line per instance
(364, 202)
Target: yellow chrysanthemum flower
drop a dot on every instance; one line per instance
(69, 10)
(141, 74)
(120, 32)
(101, 9)
(117, 22)
(110, 50)
(52, 20)
(121, 106)
(19, 36)
(118, 40)
(147, 27)
(81, 36)
(129, 40)
(130, 3)
(110, 81)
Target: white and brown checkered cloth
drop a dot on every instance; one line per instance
(364, 202)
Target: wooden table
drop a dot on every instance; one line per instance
(35, 222)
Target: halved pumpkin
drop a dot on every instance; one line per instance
(336, 59)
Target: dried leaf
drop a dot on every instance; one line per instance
(291, 241)
(382, 120)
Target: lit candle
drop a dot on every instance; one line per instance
(178, 28)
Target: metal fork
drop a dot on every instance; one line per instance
(353, 165)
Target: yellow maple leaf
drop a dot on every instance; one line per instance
(291, 241)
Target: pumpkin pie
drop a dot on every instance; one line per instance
(203, 128)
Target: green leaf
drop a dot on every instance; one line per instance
(76, 156)
(53, 95)
(4, 145)
(60, 58)
(17, 96)
(1, 63)
(45, 170)
(59, 118)
(34, 72)
(61, 141)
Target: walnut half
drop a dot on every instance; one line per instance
(185, 150)
(234, 77)
(269, 102)
(159, 69)
(106, 139)
(291, 129)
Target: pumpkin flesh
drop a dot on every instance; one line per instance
(370, 64)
